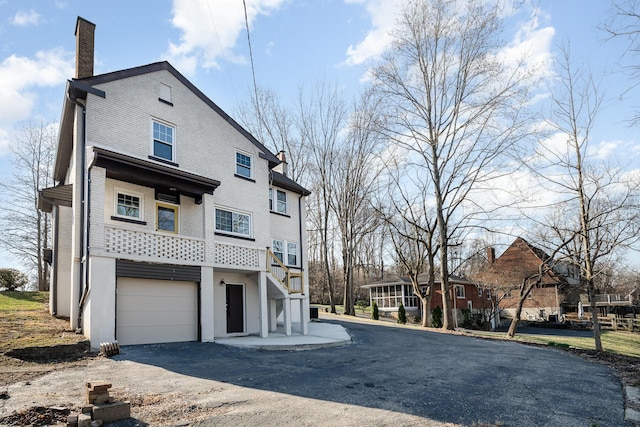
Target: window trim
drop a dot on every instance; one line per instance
(456, 287)
(116, 192)
(233, 233)
(155, 156)
(176, 220)
(239, 175)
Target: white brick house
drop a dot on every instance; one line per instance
(171, 222)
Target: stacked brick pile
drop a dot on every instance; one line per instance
(99, 407)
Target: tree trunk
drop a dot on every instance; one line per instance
(594, 316)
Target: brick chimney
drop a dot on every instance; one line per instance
(283, 167)
(491, 255)
(84, 48)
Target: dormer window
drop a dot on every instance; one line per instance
(163, 141)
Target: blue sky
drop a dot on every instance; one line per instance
(296, 43)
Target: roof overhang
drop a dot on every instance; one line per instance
(150, 174)
(60, 195)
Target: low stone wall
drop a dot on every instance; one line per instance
(58, 352)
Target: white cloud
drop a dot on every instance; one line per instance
(210, 30)
(20, 78)
(383, 15)
(25, 19)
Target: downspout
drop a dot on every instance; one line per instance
(83, 185)
(54, 261)
(301, 242)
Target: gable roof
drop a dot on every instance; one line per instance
(523, 256)
(78, 89)
(283, 181)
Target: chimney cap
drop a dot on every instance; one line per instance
(80, 18)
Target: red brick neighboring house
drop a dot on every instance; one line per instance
(556, 295)
(465, 294)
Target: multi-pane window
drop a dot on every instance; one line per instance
(128, 206)
(459, 291)
(286, 252)
(163, 141)
(233, 222)
(166, 217)
(278, 249)
(292, 253)
(243, 165)
(391, 296)
(280, 202)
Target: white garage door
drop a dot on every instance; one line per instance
(156, 311)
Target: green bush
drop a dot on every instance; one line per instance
(374, 311)
(402, 314)
(436, 317)
(468, 318)
(12, 279)
(362, 305)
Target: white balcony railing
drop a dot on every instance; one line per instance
(153, 245)
(610, 299)
(228, 255)
(162, 246)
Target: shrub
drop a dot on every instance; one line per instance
(402, 314)
(361, 304)
(374, 311)
(436, 317)
(468, 318)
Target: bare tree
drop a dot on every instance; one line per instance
(275, 126)
(452, 106)
(321, 117)
(599, 200)
(26, 229)
(358, 167)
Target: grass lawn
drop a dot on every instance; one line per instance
(616, 342)
(25, 322)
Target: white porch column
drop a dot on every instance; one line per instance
(273, 315)
(264, 307)
(304, 316)
(206, 304)
(286, 312)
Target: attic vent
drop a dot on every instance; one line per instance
(165, 94)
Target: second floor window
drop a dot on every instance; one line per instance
(243, 165)
(163, 141)
(280, 204)
(233, 222)
(459, 291)
(286, 252)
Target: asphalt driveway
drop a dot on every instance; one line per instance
(387, 376)
(441, 377)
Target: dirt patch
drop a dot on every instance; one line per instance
(37, 416)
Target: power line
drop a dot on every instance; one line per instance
(253, 71)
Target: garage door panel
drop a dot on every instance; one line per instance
(152, 335)
(156, 311)
(135, 303)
